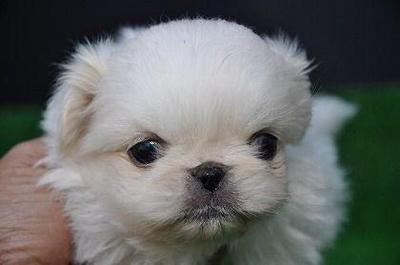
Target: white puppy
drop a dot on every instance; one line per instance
(181, 142)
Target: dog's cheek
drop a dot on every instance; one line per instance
(153, 194)
(261, 185)
(111, 178)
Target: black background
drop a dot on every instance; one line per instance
(353, 41)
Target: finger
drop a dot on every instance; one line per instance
(25, 154)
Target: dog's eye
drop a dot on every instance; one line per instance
(145, 152)
(266, 144)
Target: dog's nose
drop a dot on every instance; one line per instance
(209, 174)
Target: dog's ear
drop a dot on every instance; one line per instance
(296, 67)
(290, 51)
(69, 110)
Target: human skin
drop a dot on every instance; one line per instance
(33, 229)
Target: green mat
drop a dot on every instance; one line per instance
(369, 149)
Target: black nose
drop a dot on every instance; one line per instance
(209, 174)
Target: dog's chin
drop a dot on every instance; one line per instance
(197, 225)
(211, 215)
(213, 222)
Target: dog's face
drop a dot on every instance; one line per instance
(180, 128)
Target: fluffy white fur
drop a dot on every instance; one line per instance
(204, 86)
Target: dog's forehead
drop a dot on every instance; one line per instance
(193, 79)
(200, 81)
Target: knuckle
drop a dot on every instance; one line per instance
(21, 147)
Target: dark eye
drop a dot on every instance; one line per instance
(265, 143)
(144, 152)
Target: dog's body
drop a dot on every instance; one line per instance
(222, 113)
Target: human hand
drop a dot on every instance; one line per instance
(32, 227)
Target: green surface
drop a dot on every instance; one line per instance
(18, 123)
(369, 149)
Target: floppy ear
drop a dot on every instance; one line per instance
(297, 95)
(69, 112)
(290, 51)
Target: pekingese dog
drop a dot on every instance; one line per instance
(188, 142)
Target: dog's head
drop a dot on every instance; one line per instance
(180, 128)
